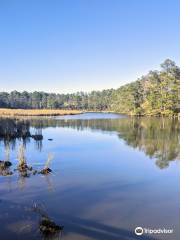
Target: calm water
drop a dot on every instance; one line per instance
(110, 175)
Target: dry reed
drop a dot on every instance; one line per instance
(48, 161)
(36, 112)
(21, 156)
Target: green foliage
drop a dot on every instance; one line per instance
(96, 100)
(157, 93)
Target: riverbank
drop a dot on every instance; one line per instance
(7, 112)
(37, 112)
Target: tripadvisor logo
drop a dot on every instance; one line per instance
(139, 231)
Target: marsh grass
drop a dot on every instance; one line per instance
(21, 157)
(49, 160)
(7, 153)
(5, 171)
(6, 164)
(46, 168)
(36, 112)
(23, 168)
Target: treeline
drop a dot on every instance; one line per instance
(157, 93)
(96, 100)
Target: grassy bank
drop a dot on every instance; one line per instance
(37, 112)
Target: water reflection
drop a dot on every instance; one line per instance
(20, 226)
(13, 129)
(29, 221)
(100, 188)
(157, 137)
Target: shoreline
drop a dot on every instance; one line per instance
(7, 112)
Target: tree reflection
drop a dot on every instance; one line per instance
(13, 129)
(158, 138)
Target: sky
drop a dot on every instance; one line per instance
(82, 45)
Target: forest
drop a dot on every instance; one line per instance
(157, 93)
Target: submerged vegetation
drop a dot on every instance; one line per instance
(157, 93)
(47, 227)
(29, 220)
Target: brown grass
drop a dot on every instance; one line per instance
(36, 112)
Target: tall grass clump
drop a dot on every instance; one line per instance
(46, 168)
(5, 164)
(21, 157)
(22, 166)
(7, 153)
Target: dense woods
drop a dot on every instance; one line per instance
(96, 100)
(157, 93)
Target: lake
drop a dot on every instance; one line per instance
(110, 174)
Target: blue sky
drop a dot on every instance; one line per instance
(74, 45)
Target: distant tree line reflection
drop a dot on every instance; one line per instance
(13, 129)
(158, 138)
